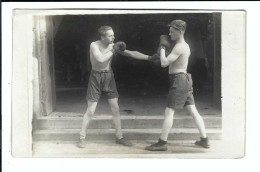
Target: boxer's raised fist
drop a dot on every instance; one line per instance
(154, 57)
(120, 46)
(165, 41)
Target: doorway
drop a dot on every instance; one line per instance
(141, 85)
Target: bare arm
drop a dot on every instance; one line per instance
(173, 56)
(98, 55)
(134, 54)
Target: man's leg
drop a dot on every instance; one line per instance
(117, 121)
(86, 119)
(198, 119)
(167, 123)
(116, 116)
(166, 128)
(200, 124)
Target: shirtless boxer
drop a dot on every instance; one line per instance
(102, 80)
(180, 92)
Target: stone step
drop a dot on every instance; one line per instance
(127, 122)
(131, 134)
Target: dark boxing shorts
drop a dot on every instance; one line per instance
(101, 82)
(180, 91)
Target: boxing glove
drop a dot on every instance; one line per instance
(167, 43)
(154, 57)
(119, 46)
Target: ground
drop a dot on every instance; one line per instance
(109, 149)
(73, 100)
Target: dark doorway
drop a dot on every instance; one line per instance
(141, 32)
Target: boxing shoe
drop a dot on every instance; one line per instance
(159, 146)
(81, 143)
(124, 142)
(204, 142)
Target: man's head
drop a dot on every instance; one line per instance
(177, 29)
(106, 34)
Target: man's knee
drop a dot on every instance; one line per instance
(193, 111)
(115, 109)
(90, 112)
(114, 105)
(190, 108)
(91, 108)
(169, 112)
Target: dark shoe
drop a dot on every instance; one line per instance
(81, 143)
(159, 146)
(124, 142)
(204, 142)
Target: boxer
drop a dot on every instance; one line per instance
(102, 81)
(174, 52)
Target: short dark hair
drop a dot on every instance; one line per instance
(103, 29)
(178, 24)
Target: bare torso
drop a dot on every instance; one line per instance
(180, 65)
(98, 66)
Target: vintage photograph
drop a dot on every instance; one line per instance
(122, 83)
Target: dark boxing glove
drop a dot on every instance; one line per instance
(120, 46)
(154, 57)
(166, 43)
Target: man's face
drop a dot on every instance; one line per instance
(174, 33)
(109, 37)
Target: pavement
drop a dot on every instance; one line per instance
(109, 149)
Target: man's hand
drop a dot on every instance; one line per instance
(119, 46)
(111, 49)
(154, 57)
(165, 43)
(101, 57)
